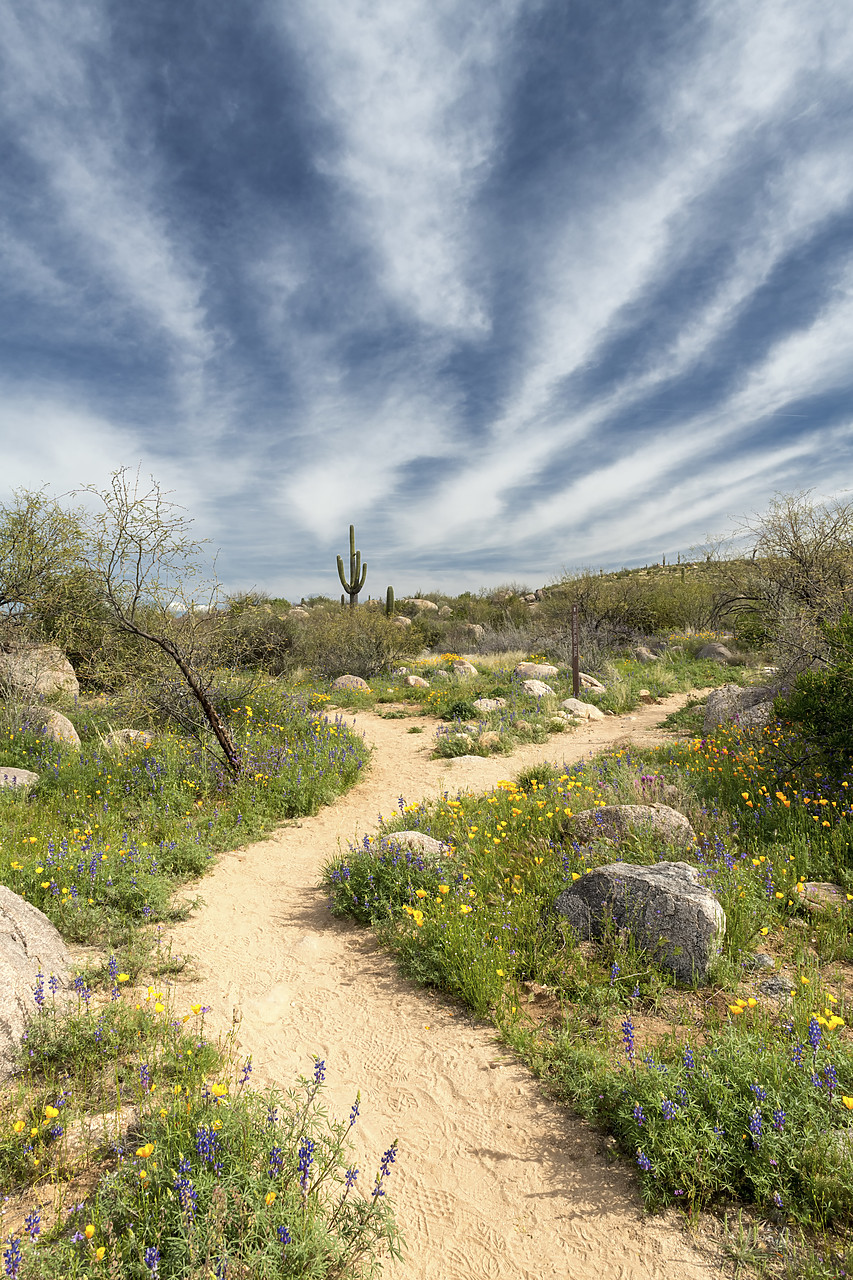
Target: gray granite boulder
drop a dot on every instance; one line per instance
(462, 667)
(122, 739)
(535, 671)
(350, 682)
(53, 725)
(489, 704)
(590, 682)
(583, 710)
(418, 840)
(37, 671)
(415, 682)
(750, 707)
(665, 909)
(615, 821)
(18, 779)
(715, 652)
(537, 688)
(643, 654)
(29, 945)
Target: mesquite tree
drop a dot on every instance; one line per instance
(138, 549)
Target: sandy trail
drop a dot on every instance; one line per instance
(492, 1179)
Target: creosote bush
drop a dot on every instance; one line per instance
(361, 642)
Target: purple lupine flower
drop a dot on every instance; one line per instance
(306, 1159)
(388, 1158)
(760, 1094)
(815, 1035)
(151, 1258)
(246, 1072)
(779, 1120)
(668, 1109)
(614, 972)
(276, 1162)
(350, 1177)
(319, 1070)
(628, 1038)
(12, 1257)
(353, 1115)
(643, 1161)
(32, 1225)
(283, 1235)
(689, 1064)
(639, 1114)
(38, 991)
(754, 1126)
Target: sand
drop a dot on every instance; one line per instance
(493, 1179)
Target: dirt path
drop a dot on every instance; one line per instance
(493, 1179)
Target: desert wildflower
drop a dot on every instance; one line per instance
(89, 1230)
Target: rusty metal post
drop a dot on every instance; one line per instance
(576, 661)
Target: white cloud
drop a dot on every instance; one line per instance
(412, 91)
(105, 197)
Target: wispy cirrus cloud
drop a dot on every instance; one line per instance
(513, 287)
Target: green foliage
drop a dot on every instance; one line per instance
(359, 642)
(110, 830)
(821, 701)
(212, 1170)
(756, 1109)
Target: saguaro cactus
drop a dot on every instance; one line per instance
(389, 603)
(357, 571)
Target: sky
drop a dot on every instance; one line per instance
(515, 287)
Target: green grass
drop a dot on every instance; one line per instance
(102, 840)
(466, 730)
(199, 1174)
(693, 1084)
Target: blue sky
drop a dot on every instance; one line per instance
(514, 287)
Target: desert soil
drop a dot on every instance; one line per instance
(492, 1179)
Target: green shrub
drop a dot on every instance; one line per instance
(359, 642)
(821, 702)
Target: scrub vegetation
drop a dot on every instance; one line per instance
(161, 1158)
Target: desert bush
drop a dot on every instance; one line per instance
(820, 703)
(360, 642)
(257, 635)
(797, 578)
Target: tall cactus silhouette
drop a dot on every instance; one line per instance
(357, 571)
(389, 603)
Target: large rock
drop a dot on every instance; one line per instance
(750, 707)
(415, 682)
(665, 909)
(489, 704)
(29, 945)
(416, 840)
(616, 821)
(350, 682)
(422, 606)
(715, 652)
(21, 779)
(584, 710)
(53, 725)
(645, 655)
(590, 682)
(463, 668)
(127, 739)
(535, 671)
(537, 688)
(37, 671)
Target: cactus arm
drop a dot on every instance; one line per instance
(344, 583)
